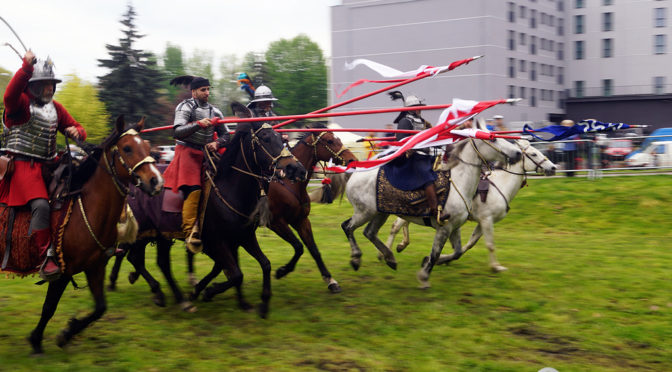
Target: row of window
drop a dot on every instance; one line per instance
(546, 95)
(659, 20)
(578, 4)
(544, 18)
(545, 70)
(545, 44)
(607, 87)
(607, 49)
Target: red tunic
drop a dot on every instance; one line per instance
(26, 182)
(185, 169)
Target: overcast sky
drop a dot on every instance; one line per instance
(74, 32)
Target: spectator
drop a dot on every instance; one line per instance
(570, 149)
(499, 122)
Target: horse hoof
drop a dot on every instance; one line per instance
(355, 264)
(400, 248)
(424, 285)
(262, 310)
(281, 272)
(392, 264)
(36, 345)
(207, 295)
(245, 306)
(499, 268)
(193, 296)
(423, 279)
(61, 340)
(132, 277)
(188, 307)
(159, 300)
(111, 287)
(334, 288)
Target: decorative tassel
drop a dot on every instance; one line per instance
(327, 197)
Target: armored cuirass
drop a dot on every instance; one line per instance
(417, 122)
(37, 137)
(202, 136)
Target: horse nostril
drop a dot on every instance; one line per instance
(153, 182)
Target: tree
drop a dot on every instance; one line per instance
(80, 99)
(297, 74)
(131, 87)
(173, 66)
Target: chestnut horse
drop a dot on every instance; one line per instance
(90, 230)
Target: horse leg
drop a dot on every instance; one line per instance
(252, 247)
(114, 273)
(200, 285)
(163, 246)
(282, 230)
(440, 238)
(399, 224)
(54, 293)
(445, 259)
(371, 233)
(190, 268)
(349, 226)
(136, 256)
(488, 227)
(95, 276)
(225, 256)
(305, 231)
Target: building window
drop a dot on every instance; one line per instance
(659, 44)
(533, 97)
(551, 21)
(658, 84)
(579, 4)
(522, 38)
(522, 65)
(578, 24)
(578, 49)
(579, 88)
(522, 12)
(607, 21)
(659, 18)
(512, 91)
(561, 51)
(533, 45)
(607, 48)
(512, 40)
(533, 18)
(512, 12)
(561, 75)
(607, 2)
(561, 5)
(607, 87)
(512, 67)
(561, 26)
(533, 71)
(522, 93)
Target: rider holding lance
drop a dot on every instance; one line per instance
(194, 132)
(31, 119)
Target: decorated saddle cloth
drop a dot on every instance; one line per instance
(392, 200)
(22, 257)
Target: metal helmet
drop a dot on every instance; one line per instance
(263, 93)
(413, 101)
(44, 70)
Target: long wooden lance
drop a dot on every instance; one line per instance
(231, 119)
(403, 82)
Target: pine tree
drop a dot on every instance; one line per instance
(131, 87)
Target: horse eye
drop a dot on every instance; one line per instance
(127, 149)
(331, 142)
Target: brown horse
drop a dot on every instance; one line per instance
(88, 231)
(290, 203)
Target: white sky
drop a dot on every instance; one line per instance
(74, 32)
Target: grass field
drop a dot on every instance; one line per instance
(588, 289)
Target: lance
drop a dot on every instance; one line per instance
(403, 82)
(313, 116)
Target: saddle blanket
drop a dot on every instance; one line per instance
(392, 200)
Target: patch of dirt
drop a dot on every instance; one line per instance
(332, 365)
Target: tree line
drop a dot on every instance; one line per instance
(137, 83)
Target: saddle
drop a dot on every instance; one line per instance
(392, 200)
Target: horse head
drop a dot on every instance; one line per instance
(270, 155)
(497, 149)
(327, 146)
(538, 162)
(127, 158)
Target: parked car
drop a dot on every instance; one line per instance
(167, 153)
(657, 154)
(618, 149)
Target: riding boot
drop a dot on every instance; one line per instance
(432, 202)
(50, 270)
(189, 226)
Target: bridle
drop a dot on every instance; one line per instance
(318, 140)
(273, 165)
(111, 169)
(538, 165)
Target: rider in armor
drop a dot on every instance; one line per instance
(194, 132)
(416, 166)
(31, 119)
(262, 104)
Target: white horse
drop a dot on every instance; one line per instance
(504, 185)
(465, 162)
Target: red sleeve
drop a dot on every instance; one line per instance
(17, 102)
(66, 120)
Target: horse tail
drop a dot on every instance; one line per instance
(263, 210)
(337, 186)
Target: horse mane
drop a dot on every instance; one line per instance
(305, 135)
(453, 158)
(233, 148)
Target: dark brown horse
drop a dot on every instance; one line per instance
(290, 203)
(88, 231)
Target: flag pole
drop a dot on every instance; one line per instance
(407, 81)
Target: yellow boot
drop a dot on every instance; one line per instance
(192, 237)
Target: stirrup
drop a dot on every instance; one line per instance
(439, 220)
(193, 241)
(50, 277)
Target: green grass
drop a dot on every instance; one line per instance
(588, 289)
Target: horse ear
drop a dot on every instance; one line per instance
(240, 110)
(481, 124)
(121, 123)
(141, 123)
